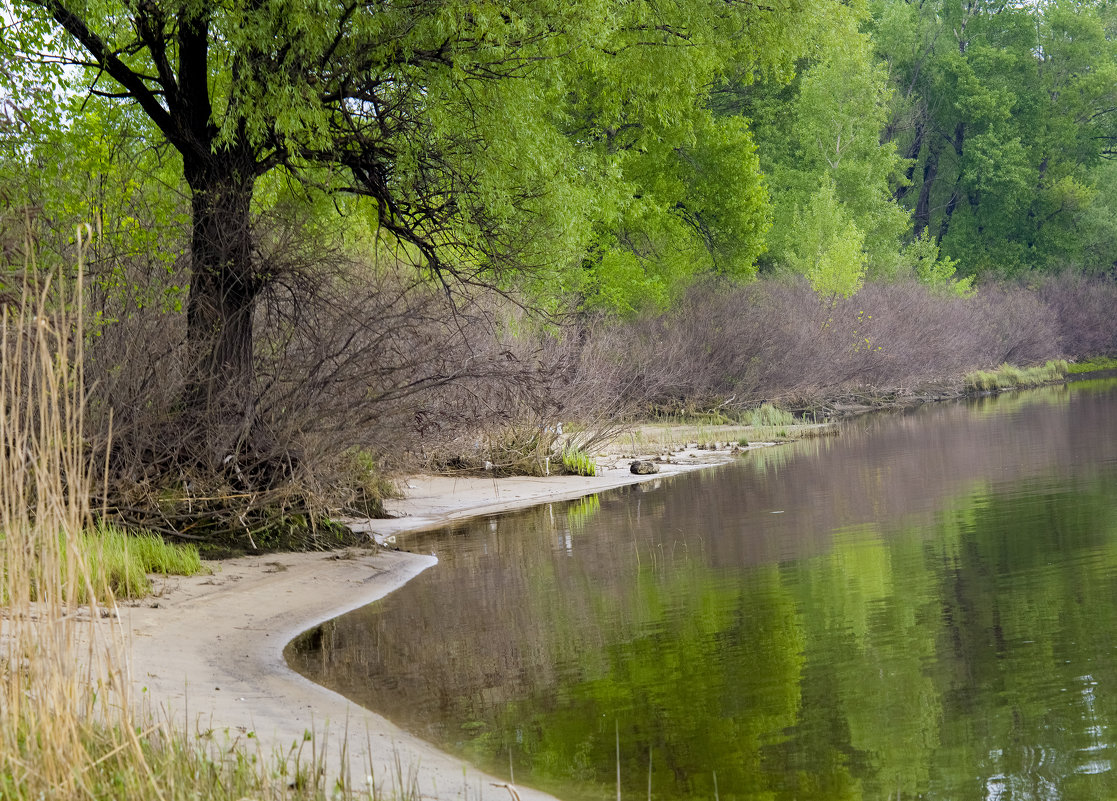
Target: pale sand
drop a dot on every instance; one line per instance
(206, 652)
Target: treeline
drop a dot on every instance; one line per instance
(319, 241)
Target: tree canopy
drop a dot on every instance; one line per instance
(489, 138)
(1006, 114)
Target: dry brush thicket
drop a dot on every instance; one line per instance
(355, 367)
(739, 346)
(365, 367)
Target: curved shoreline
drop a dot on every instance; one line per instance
(206, 652)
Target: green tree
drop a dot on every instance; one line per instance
(1005, 112)
(829, 247)
(696, 206)
(488, 138)
(819, 140)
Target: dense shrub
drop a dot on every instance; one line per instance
(362, 368)
(775, 340)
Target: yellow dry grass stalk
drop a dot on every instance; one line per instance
(60, 674)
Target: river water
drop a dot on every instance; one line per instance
(922, 606)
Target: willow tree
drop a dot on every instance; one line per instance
(482, 134)
(1008, 113)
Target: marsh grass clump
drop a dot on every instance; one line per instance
(1009, 376)
(121, 562)
(578, 462)
(770, 416)
(1092, 365)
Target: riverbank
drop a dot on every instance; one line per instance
(206, 651)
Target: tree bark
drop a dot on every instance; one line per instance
(922, 214)
(911, 155)
(223, 289)
(958, 142)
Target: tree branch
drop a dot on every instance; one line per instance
(117, 69)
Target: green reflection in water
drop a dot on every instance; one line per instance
(705, 669)
(967, 652)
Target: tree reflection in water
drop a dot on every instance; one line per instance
(932, 614)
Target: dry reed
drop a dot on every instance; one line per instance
(70, 729)
(62, 678)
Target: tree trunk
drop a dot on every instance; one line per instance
(911, 155)
(223, 290)
(922, 214)
(958, 142)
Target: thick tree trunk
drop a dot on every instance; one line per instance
(912, 154)
(223, 290)
(922, 214)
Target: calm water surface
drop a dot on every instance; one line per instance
(924, 606)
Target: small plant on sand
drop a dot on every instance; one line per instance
(578, 462)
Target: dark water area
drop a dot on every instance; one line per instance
(924, 606)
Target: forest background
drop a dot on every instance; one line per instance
(321, 242)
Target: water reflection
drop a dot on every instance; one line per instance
(924, 606)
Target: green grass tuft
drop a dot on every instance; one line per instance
(578, 462)
(769, 415)
(1093, 365)
(121, 561)
(1009, 376)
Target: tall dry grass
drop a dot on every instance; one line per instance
(61, 674)
(68, 726)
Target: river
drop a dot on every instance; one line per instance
(922, 606)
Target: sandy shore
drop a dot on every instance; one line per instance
(206, 651)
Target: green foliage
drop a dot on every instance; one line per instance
(830, 247)
(578, 462)
(608, 154)
(1006, 115)
(1092, 365)
(696, 206)
(121, 562)
(933, 269)
(769, 415)
(820, 144)
(1009, 376)
(573, 140)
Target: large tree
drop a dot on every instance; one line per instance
(484, 133)
(1006, 112)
